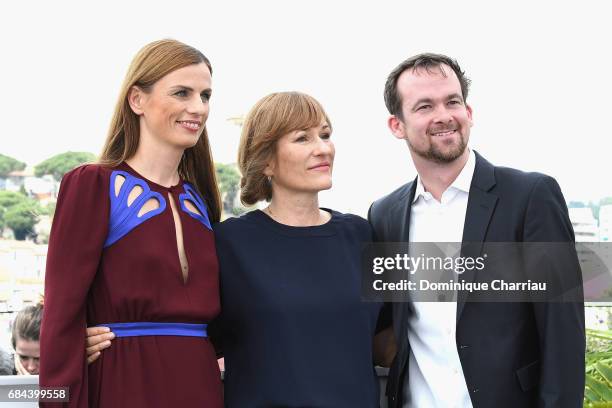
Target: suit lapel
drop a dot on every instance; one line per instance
(480, 208)
(402, 231)
(400, 226)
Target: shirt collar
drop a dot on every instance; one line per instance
(462, 182)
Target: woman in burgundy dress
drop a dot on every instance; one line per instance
(132, 248)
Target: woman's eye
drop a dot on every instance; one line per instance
(205, 97)
(181, 93)
(326, 136)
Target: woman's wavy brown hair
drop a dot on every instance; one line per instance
(271, 118)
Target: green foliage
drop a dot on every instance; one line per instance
(9, 199)
(60, 164)
(8, 164)
(21, 218)
(228, 180)
(238, 211)
(598, 373)
(49, 210)
(19, 213)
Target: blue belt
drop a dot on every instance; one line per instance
(156, 329)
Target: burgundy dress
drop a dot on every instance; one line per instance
(107, 266)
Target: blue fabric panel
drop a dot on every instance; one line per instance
(191, 195)
(124, 218)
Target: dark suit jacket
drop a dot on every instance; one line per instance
(512, 354)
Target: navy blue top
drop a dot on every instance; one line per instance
(295, 331)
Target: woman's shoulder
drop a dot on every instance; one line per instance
(350, 219)
(237, 232)
(232, 224)
(86, 177)
(353, 222)
(89, 172)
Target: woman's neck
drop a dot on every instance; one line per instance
(296, 209)
(157, 163)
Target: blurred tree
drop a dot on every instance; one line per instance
(228, 180)
(49, 209)
(21, 218)
(238, 211)
(7, 200)
(60, 164)
(11, 218)
(8, 164)
(10, 198)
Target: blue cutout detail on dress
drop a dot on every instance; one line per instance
(124, 218)
(191, 195)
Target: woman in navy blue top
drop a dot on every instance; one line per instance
(295, 332)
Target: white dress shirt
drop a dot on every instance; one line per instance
(435, 375)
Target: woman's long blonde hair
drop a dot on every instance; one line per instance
(153, 62)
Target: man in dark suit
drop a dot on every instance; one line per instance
(462, 353)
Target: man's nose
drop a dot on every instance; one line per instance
(442, 115)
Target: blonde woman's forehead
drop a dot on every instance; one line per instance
(196, 76)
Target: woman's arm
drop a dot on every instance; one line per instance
(385, 347)
(76, 243)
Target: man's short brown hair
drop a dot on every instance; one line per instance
(427, 61)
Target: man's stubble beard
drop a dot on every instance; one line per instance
(438, 156)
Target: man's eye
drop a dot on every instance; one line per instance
(325, 136)
(205, 96)
(454, 102)
(423, 107)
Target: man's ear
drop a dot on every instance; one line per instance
(396, 126)
(136, 97)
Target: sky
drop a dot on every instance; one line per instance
(540, 73)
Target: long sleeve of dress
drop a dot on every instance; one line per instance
(80, 227)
